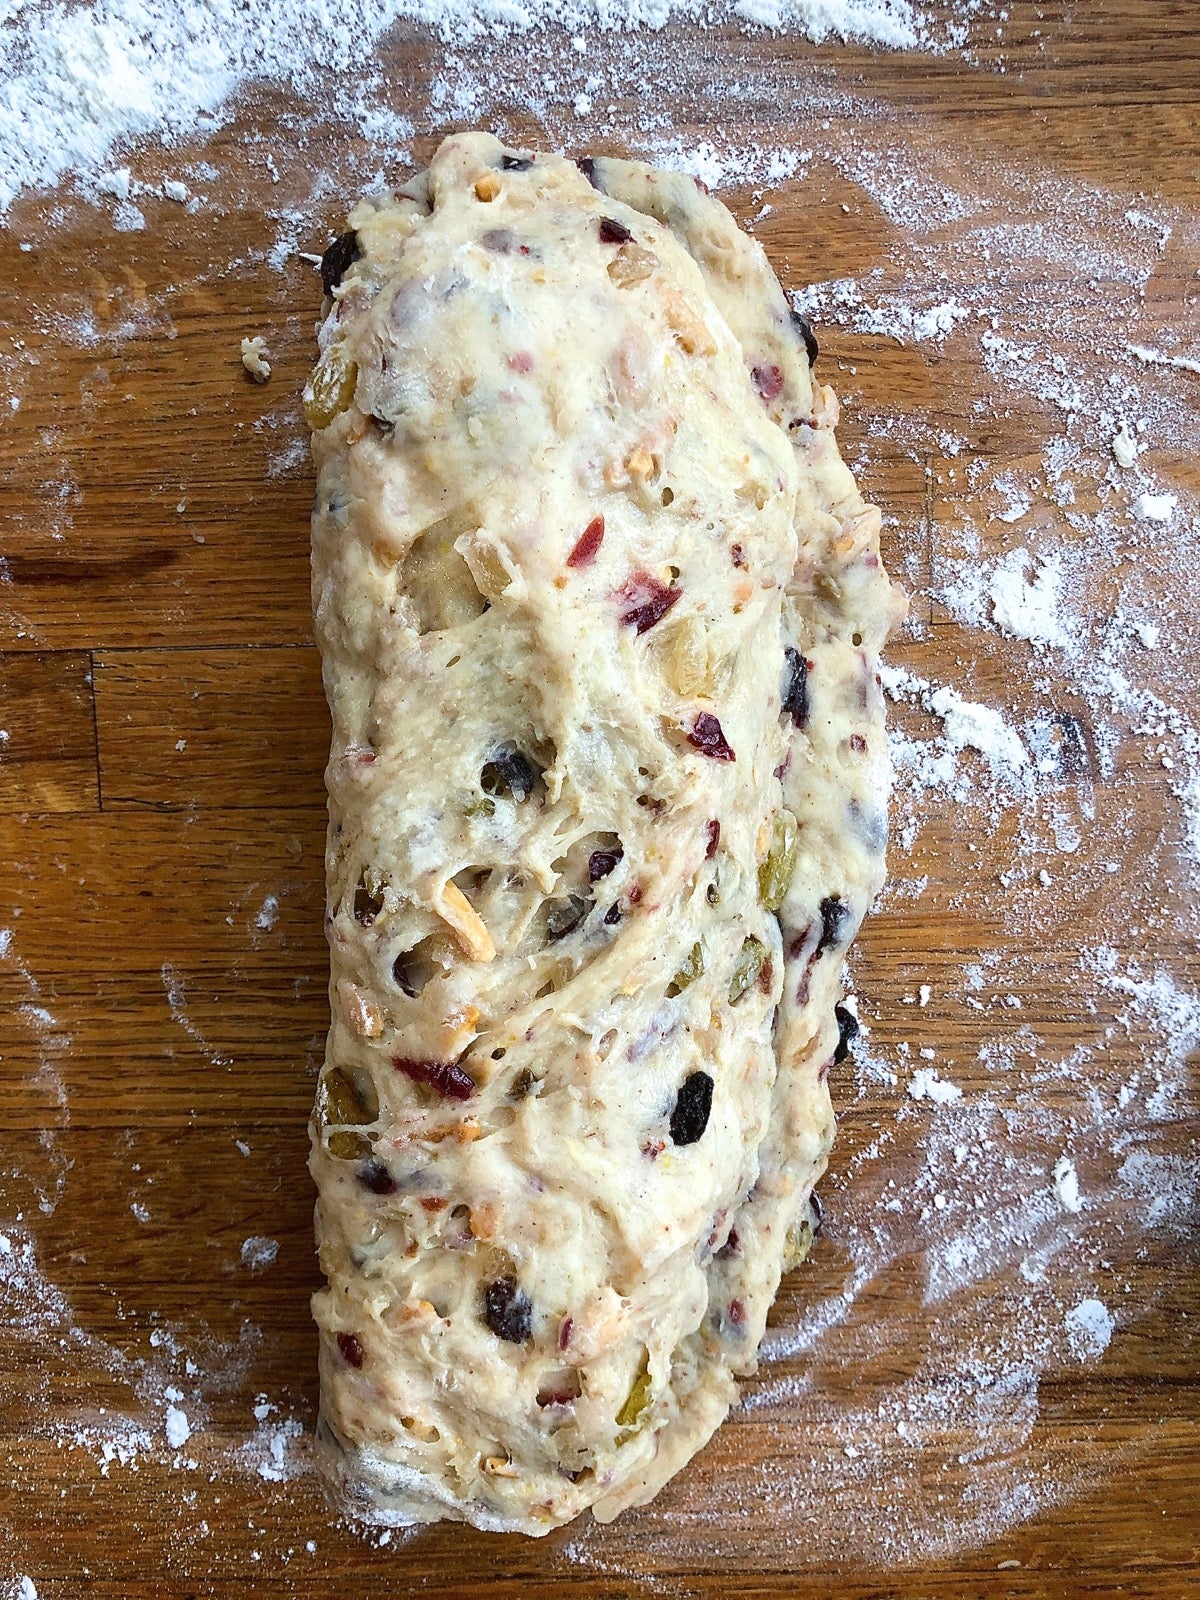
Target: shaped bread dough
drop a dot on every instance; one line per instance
(600, 608)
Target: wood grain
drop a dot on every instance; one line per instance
(232, 728)
(48, 759)
(163, 967)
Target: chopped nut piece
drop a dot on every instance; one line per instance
(487, 187)
(639, 463)
(691, 334)
(363, 1015)
(632, 264)
(465, 924)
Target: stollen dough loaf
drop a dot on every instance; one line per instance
(600, 609)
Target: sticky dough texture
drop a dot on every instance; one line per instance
(515, 376)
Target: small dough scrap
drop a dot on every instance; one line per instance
(600, 610)
(254, 358)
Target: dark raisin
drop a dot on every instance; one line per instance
(589, 541)
(847, 1032)
(603, 862)
(373, 1175)
(834, 912)
(338, 259)
(707, 737)
(804, 328)
(730, 1248)
(713, 829)
(367, 904)
(507, 1311)
(768, 381)
(498, 240)
(693, 1107)
(613, 915)
(351, 1347)
(447, 1078)
(646, 601)
(614, 232)
(515, 163)
(587, 165)
(565, 916)
(508, 771)
(795, 686)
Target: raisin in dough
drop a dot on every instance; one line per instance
(599, 607)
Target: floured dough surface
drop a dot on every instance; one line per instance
(600, 609)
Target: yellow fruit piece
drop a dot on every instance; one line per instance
(330, 389)
(747, 968)
(775, 873)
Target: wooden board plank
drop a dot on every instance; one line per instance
(233, 728)
(156, 1006)
(48, 759)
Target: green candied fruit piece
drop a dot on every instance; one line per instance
(747, 968)
(637, 1400)
(775, 874)
(330, 389)
(691, 969)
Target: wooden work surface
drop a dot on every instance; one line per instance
(162, 988)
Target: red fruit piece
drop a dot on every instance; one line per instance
(768, 381)
(587, 544)
(646, 601)
(447, 1078)
(707, 737)
(351, 1348)
(714, 839)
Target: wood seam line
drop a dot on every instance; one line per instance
(95, 730)
(928, 512)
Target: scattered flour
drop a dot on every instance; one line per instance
(268, 914)
(258, 1253)
(1090, 1328)
(1028, 609)
(926, 1085)
(81, 79)
(277, 1451)
(1155, 507)
(177, 1428)
(1066, 1185)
